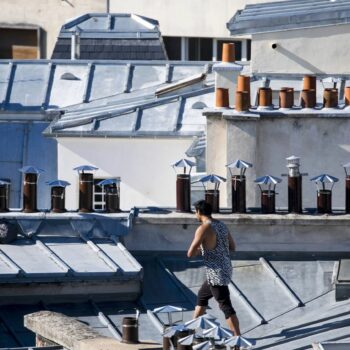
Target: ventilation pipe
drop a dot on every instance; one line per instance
(183, 169)
(58, 195)
(86, 187)
(30, 179)
(112, 194)
(238, 185)
(4, 196)
(267, 185)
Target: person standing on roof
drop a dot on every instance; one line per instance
(214, 241)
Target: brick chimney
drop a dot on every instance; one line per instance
(227, 71)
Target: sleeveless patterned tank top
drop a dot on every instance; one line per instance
(217, 261)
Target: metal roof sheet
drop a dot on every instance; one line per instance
(255, 295)
(171, 115)
(38, 86)
(287, 15)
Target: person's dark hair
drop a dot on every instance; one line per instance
(203, 208)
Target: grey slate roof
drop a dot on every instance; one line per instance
(290, 14)
(112, 37)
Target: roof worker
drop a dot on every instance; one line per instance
(213, 240)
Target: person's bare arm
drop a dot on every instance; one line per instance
(197, 241)
(231, 243)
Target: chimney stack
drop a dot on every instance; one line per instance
(227, 71)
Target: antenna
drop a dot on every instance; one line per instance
(107, 6)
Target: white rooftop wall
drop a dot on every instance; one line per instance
(315, 50)
(144, 166)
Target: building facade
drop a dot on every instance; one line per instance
(191, 29)
(296, 36)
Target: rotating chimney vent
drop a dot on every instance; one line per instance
(30, 180)
(58, 195)
(324, 184)
(211, 184)
(86, 186)
(267, 185)
(238, 185)
(183, 169)
(112, 194)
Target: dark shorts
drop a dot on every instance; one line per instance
(221, 295)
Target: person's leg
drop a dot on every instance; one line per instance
(233, 324)
(199, 311)
(222, 296)
(204, 294)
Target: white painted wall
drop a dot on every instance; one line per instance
(314, 50)
(194, 18)
(144, 166)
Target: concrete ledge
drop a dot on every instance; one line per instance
(251, 219)
(75, 335)
(252, 232)
(58, 328)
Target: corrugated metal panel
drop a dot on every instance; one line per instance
(308, 279)
(4, 75)
(33, 85)
(146, 76)
(194, 117)
(78, 255)
(31, 259)
(123, 123)
(184, 71)
(29, 88)
(68, 92)
(108, 80)
(166, 114)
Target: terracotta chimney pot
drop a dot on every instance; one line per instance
(347, 95)
(265, 97)
(330, 98)
(243, 84)
(228, 52)
(221, 96)
(286, 97)
(308, 98)
(309, 82)
(242, 101)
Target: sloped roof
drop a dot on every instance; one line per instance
(59, 249)
(171, 116)
(141, 113)
(287, 15)
(257, 298)
(111, 25)
(45, 86)
(111, 36)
